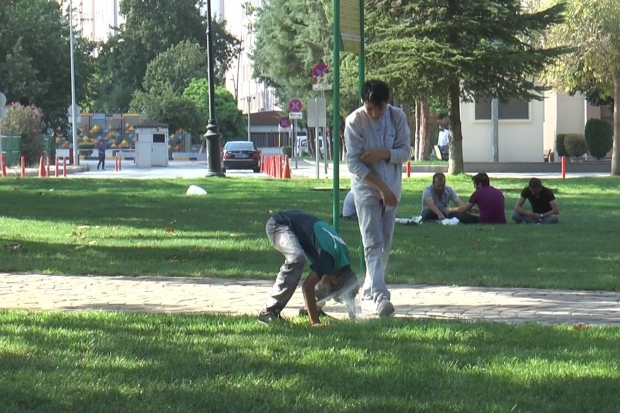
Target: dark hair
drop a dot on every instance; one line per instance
(481, 178)
(375, 92)
(534, 183)
(439, 175)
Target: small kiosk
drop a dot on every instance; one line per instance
(151, 144)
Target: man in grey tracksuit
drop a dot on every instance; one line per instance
(377, 142)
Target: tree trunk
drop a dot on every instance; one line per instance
(615, 152)
(416, 132)
(424, 131)
(455, 164)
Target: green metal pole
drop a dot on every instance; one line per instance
(336, 130)
(360, 60)
(360, 76)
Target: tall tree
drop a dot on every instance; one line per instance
(151, 27)
(35, 58)
(177, 66)
(592, 28)
(230, 121)
(463, 50)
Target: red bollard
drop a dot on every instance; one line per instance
(563, 167)
(287, 168)
(56, 167)
(408, 169)
(3, 162)
(64, 167)
(280, 167)
(47, 171)
(270, 166)
(276, 165)
(23, 164)
(120, 163)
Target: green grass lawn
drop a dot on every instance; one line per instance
(120, 362)
(118, 227)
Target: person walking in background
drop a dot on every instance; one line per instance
(443, 141)
(101, 150)
(377, 141)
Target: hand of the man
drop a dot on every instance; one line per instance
(388, 197)
(441, 216)
(372, 156)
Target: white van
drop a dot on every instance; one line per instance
(302, 145)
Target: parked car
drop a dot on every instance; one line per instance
(302, 145)
(240, 155)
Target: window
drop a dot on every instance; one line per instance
(513, 109)
(159, 138)
(239, 146)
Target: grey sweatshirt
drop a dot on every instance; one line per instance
(362, 133)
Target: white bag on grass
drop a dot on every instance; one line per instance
(195, 190)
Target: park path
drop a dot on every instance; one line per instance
(213, 295)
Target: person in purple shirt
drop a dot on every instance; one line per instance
(490, 201)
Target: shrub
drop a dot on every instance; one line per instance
(599, 137)
(26, 121)
(559, 144)
(575, 145)
(84, 148)
(288, 150)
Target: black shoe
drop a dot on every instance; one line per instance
(303, 312)
(267, 316)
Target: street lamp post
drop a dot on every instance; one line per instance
(76, 152)
(214, 162)
(249, 100)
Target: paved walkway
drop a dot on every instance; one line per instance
(188, 295)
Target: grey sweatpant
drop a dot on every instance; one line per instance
(285, 241)
(377, 228)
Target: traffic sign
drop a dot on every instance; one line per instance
(2, 100)
(78, 110)
(319, 71)
(295, 115)
(315, 105)
(295, 105)
(285, 123)
(322, 86)
(78, 113)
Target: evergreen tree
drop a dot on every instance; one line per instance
(462, 50)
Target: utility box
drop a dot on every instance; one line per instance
(151, 144)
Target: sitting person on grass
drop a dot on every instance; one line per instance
(490, 201)
(297, 235)
(348, 208)
(545, 209)
(436, 202)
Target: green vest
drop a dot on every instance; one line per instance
(331, 242)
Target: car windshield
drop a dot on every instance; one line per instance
(240, 146)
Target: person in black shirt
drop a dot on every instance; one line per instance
(545, 209)
(298, 235)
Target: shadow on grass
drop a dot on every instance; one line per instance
(114, 362)
(140, 260)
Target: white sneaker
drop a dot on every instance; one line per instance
(382, 307)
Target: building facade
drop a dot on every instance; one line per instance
(95, 19)
(252, 96)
